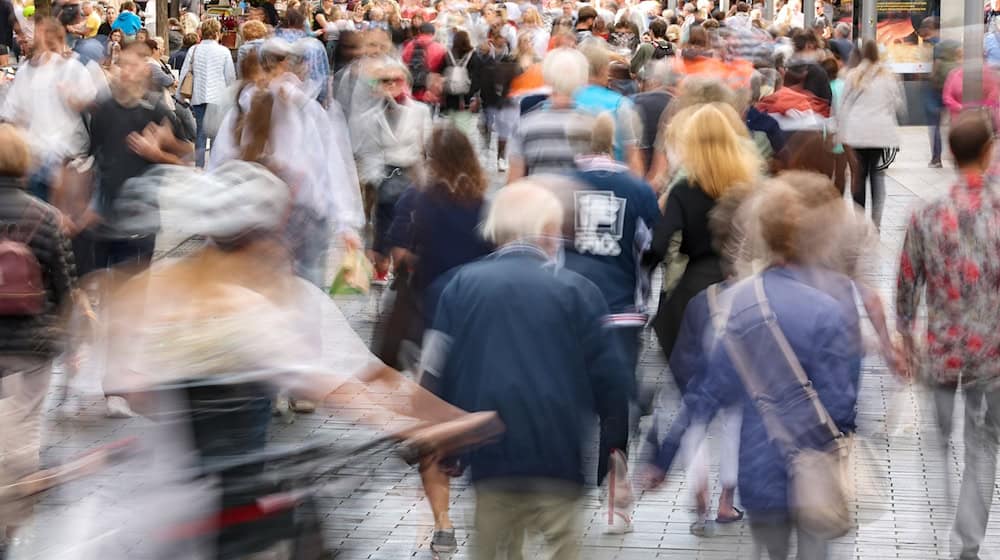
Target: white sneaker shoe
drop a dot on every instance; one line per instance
(620, 497)
(118, 408)
(502, 165)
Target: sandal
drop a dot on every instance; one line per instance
(725, 520)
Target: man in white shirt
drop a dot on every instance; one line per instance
(46, 100)
(213, 71)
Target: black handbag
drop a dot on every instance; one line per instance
(392, 186)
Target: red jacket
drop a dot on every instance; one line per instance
(434, 53)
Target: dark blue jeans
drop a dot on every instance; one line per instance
(932, 109)
(201, 139)
(614, 424)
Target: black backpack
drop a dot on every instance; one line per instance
(418, 66)
(662, 49)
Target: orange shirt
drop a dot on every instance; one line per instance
(736, 73)
(528, 81)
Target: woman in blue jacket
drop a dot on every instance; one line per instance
(822, 338)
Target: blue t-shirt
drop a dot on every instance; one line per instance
(128, 23)
(596, 100)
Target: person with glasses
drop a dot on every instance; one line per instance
(390, 148)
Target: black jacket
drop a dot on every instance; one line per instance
(491, 77)
(40, 335)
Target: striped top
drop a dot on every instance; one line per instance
(549, 139)
(213, 71)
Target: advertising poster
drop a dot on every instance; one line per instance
(898, 22)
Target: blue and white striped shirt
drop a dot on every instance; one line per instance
(213, 71)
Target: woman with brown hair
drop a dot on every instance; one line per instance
(436, 231)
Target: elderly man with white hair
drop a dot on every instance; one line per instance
(549, 138)
(518, 333)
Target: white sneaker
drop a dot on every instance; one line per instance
(502, 165)
(118, 408)
(620, 524)
(620, 496)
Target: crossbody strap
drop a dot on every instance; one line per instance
(775, 425)
(793, 361)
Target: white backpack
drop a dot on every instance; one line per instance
(456, 76)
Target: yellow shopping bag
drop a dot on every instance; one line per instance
(354, 276)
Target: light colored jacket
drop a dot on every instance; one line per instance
(867, 112)
(213, 71)
(399, 145)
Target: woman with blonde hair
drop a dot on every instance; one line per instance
(694, 92)
(532, 26)
(715, 154)
(867, 122)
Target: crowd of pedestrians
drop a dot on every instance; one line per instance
(517, 177)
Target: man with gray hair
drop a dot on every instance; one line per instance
(841, 42)
(658, 86)
(549, 138)
(517, 333)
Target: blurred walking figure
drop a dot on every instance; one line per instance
(46, 99)
(518, 333)
(778, 308)
(277, 120)
(212, 70)
(949, 261)
(944, 60)
(716, 155)
(36, 267)
(241, 326)
(494, 65)
(867, 122)
(549, 138)
(596, 97)
(390, 150)
(614, 213)
(435, 232)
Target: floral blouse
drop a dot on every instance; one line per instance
(951, 256)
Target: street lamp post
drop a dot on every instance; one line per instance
(868, 14)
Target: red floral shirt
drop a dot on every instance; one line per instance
(951, 256)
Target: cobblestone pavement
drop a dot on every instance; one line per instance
(384, 516)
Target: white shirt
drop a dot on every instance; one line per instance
(37, 102)
(213, 71)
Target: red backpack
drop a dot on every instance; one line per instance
(22, 291)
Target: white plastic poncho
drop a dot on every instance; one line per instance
(307, 148)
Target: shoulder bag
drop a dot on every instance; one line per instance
(186, 88)
(819, 495)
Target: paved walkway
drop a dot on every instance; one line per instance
(384, 516)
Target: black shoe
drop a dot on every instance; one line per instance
(935, 164)
(444, 541)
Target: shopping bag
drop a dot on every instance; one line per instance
(354, 276)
